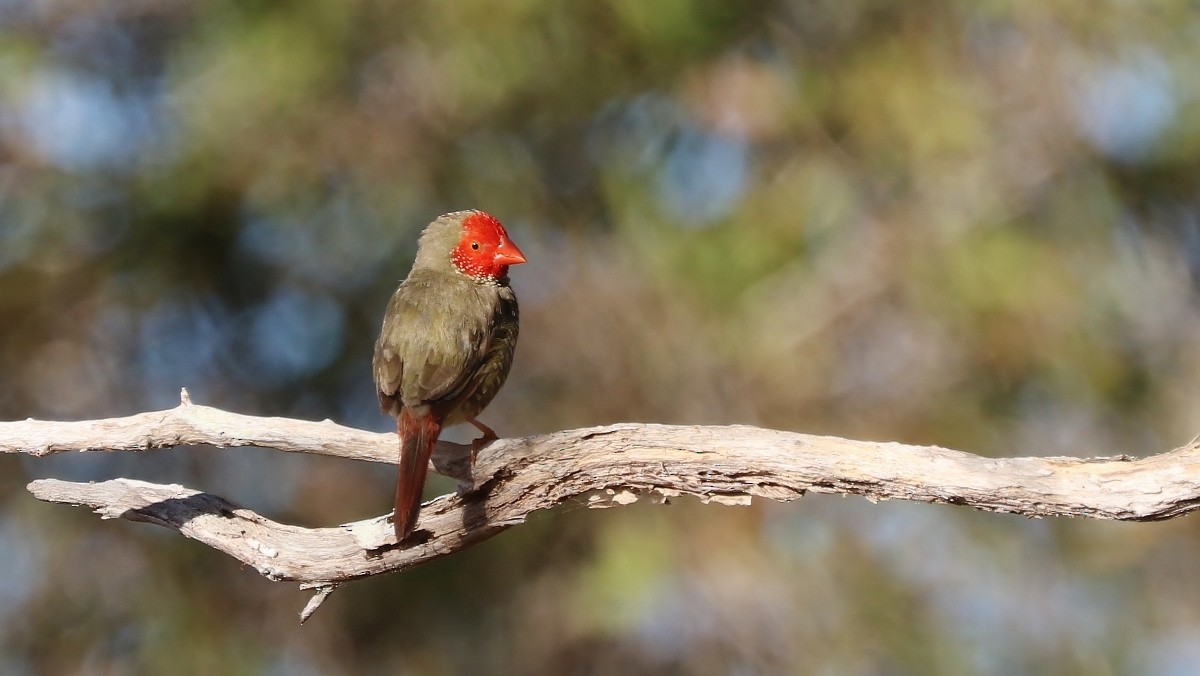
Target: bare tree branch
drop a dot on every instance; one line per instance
(613, 464)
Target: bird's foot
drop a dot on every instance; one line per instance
(478, 445)
(489, 435)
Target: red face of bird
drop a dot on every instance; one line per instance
(485, 251)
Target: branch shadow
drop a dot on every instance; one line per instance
(177, 512)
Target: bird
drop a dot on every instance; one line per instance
(446, 345)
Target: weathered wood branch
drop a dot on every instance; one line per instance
(613, 464)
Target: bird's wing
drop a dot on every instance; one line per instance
(433, 341)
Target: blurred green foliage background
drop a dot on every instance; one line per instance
(972, 224)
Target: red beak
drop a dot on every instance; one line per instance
(508, 253)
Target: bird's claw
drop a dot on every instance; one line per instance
(489, 435)
(478, 445)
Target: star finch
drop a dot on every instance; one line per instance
(447, 343)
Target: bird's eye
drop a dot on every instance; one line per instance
(475, 246)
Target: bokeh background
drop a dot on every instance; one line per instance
(972, 224)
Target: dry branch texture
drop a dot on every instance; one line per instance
(615, 464)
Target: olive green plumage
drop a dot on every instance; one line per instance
(445, 333)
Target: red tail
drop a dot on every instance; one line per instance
(418, 436)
